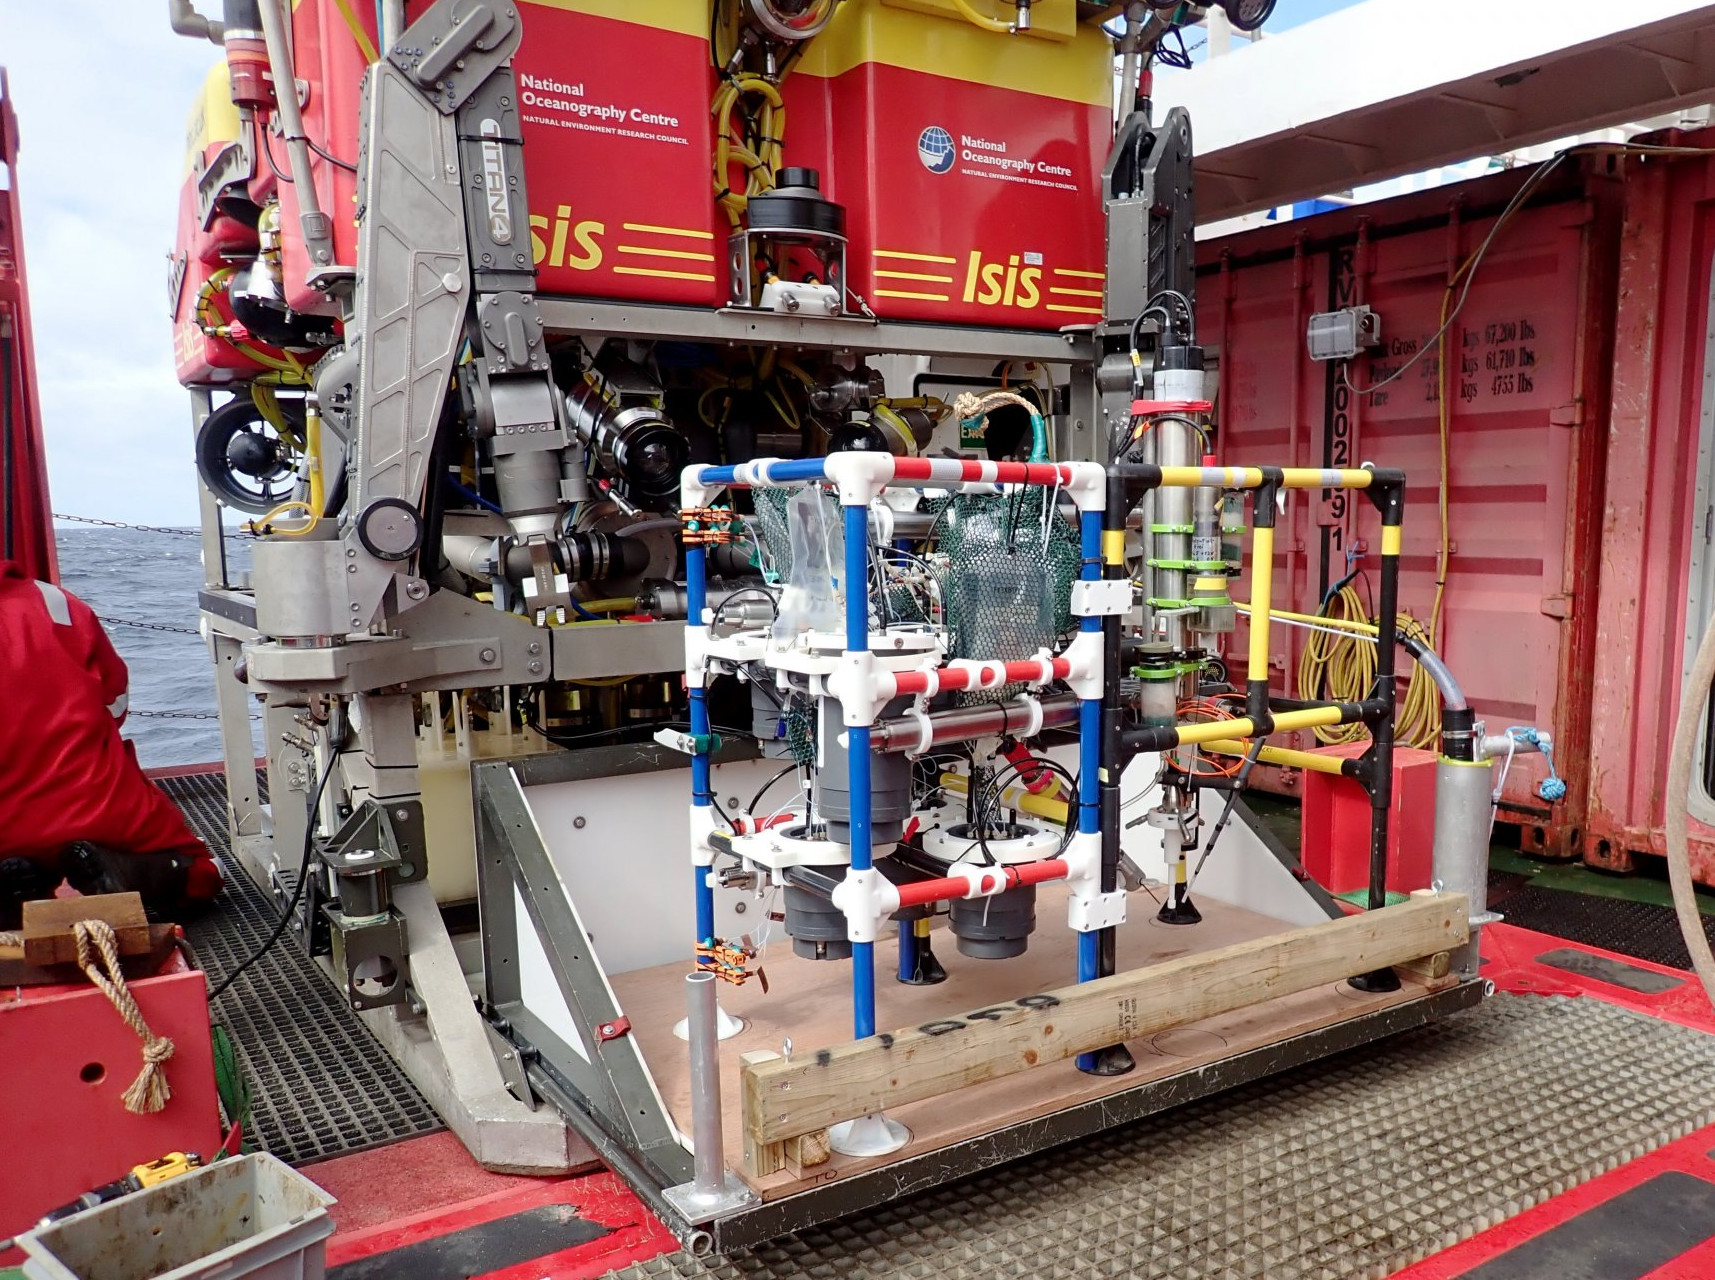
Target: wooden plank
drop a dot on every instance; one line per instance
(48, 937)
(1430, 967)
(782, 1099)
(761, 1158)
(806, 1151)
(16, 972)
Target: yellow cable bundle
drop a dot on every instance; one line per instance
(1343, 669)
(760, 161)
(1338, 668)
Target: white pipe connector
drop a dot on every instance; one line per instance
(867, 898)
(860, 477)
(1085, 655)
(1087, 907)
(704, 824)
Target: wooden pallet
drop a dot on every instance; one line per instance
(993, 1045)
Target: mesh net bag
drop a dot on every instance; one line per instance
(1008, 593)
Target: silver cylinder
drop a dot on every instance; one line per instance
(317, 228)
(964, 723)
(1463, 808)
(709, 1177)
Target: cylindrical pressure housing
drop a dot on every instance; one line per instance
(1463, 807)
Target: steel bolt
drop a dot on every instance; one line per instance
(738, 908)
(401, 814)
(578, 822)
(535, 668)
(535, 646)
(487, 655)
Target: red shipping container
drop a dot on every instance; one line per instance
(1334, 823)
(1526, 437)
(1656, 588)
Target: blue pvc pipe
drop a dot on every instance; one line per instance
(696, 597)
(791, 470)
(857, 756)
(863, 990)
(907, 950)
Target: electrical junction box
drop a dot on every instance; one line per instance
(1341, 335)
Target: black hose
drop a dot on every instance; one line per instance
(297, 889)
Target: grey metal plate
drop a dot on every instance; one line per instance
(321, 1083)
(1357, 1165)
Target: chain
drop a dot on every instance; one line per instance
(149, 626)
(120, 524)
(182, 715)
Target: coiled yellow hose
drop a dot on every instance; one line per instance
(1343, 669)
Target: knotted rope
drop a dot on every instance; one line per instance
(98, 957)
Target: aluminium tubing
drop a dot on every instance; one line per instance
(1460, 858)
(905, 733)
(703, 1032)
(1687, 733)
(318, 230)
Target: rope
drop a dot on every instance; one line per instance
(98, 950)
(120, 524)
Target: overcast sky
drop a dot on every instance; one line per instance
(102, 89)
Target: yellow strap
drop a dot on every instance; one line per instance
(364, 43)
(1113, 546)
(1390, 539)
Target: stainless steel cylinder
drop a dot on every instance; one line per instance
(964, 723)
(709, 1176)
(1463, 806)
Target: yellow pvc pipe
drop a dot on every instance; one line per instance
(1262, 593)
(1252, 478)
(1189, 735)
(1279, 755)
(1014, 798)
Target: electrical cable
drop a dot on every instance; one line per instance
(763, 790)
(1687, 732)
(291, 910)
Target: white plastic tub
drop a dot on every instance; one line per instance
(250, 1218)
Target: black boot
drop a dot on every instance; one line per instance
(21, 881)
(160, 878)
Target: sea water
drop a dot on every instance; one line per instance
(130, 575)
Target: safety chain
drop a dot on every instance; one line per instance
(149, 626)
(120, 524)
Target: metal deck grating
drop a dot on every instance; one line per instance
(1641, 930)
(1355, 1166)
(321, 1084)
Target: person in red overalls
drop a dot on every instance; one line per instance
(74, 804)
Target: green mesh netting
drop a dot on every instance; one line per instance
(1003, 569)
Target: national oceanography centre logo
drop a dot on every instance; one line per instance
(935, 149)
